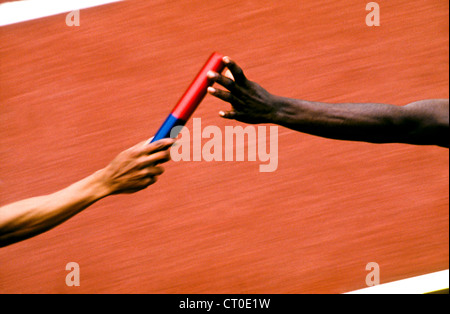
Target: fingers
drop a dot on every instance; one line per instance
(224, 95)
(141, 180)
(150, 176)
(231, 82)
(226, 82)
(233, 115)
(235, 70)
(228, 114)
(228, 97)
(152, 171)
(239, 116)
(157, 146)
(144, 148)
(154, 159)
(143, 183)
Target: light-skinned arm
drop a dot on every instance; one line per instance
(132, 170)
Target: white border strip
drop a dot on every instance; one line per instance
(25, 10)
(414, 285)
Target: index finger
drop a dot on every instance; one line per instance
(160, 145)
(236, 71)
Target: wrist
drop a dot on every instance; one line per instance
(99, 186)
(286, 110)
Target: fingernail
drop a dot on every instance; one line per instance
(221, 113)
(226, 59)
(211, 89)
(211, 74)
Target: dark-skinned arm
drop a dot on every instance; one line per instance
(424, 122)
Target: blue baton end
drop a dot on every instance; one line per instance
(166, 128)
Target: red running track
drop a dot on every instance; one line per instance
(74, 97)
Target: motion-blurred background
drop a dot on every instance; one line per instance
(71, 98)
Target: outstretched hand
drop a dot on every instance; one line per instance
(137, 167)
(250, 102)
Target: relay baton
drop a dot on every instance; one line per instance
(191, 98)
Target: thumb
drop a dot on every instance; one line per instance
(241, 117)
(228, 114)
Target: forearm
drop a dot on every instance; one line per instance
(132, 170)
(368, 122)
(29, 217)
(423, 122)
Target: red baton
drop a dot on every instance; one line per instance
(191, 98)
